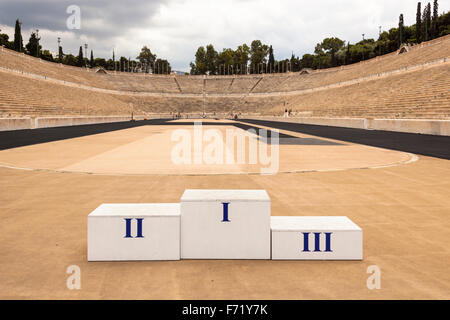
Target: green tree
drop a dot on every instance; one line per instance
(367, 49)
(70, 60)
(307, 61)
(100, 62)
(390, 40)
(146, 57)
(283, 65)
(241, 55)
(232, 61)
(46, 55)
(444, 24)
(295, 63)
(409, 34)
(258, 55)
(199, 67)
(319, 55)
(225, 59)
(80, 57)
(193, 68)
(434, 27)
(91, 62)
(33, 47)
(331, 46)
(4, 40)
(347, 54)
(123, 64)
(271, 61)
(419, 23)
(60, 54)
(400, 29)
(18, 41)
(426, 18)
(162, 66)
(210, 59)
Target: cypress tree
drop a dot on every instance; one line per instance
(60, 54)
(424, 24)
(271, 59)
(80, 57)
(293, 63)
(18, 41)
(427, 22)
(419, 23)
(400, 30)
(92, 59)
(434, 32)
(347, 55)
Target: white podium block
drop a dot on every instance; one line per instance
(225, 224)
(316, 238)
(125, 232)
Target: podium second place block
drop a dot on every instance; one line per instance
(125, 232)
(225, 224)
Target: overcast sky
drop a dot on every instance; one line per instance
(174, 29)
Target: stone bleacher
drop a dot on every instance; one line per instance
(385, 87)
(29, 97)
(190, 85)
(418, 94)
(218, 85)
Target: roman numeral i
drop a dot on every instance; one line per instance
(225, 212)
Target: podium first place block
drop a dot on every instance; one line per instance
(125, 232)
(225, 224)
(316, 238)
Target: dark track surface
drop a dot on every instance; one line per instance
(427, 145)
(423, 144)
(20, 138)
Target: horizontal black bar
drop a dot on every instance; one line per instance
(222, 309)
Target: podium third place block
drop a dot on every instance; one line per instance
(316, 238)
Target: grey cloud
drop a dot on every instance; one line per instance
(115, 17)
(173, 29)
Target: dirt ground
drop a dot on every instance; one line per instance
(400, 201)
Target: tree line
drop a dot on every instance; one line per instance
(146, 61)
(331, 52)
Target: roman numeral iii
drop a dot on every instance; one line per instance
(317, 236)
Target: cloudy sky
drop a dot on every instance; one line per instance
(174, 29)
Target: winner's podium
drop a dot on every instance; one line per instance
(217, 224)
(225, 224)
